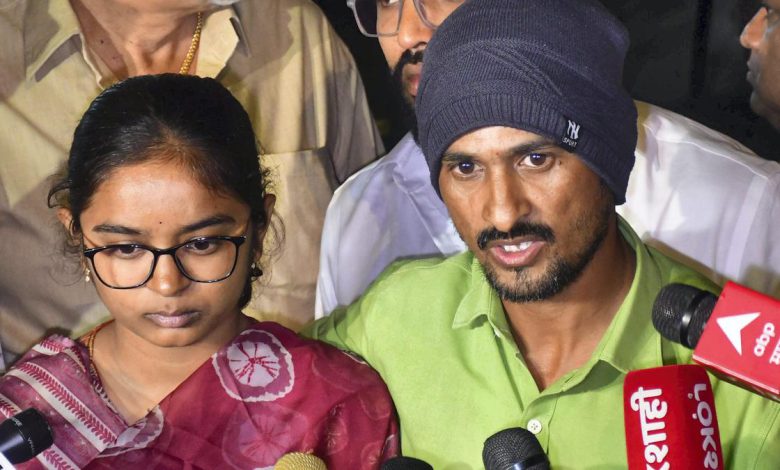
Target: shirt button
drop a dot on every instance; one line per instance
(535, 426)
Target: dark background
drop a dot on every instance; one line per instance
(685, 56)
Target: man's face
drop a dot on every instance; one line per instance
(762, 36)
(404, 55)
(532, 213)
(404, 51)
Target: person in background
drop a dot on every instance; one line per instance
(280, 58)
(529, 137)
(388, 210)
(697, 195)
(762, 36)
(165, 203)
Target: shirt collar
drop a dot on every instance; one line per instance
(481, 302)
(630, 341)
(222, 35)
(627, 344)
(238, 28)
(51, 27)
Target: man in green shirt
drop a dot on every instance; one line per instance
(529, 137)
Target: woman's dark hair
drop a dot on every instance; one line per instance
(188, 119)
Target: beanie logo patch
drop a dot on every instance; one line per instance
(572, 136)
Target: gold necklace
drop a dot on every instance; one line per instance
(185, 66)
(89, 340)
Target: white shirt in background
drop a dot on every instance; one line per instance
(386, 211)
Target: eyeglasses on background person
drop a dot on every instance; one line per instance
(131, 265)
(383, 17)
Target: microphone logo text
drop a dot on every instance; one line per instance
(652, 411)
(705, 417)
(763, 340)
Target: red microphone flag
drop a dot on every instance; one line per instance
(741, 340)
(670, 419)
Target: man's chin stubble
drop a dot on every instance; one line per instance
(404, 98)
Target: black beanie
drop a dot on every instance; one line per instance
(551, 67)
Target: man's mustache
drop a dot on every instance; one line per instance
(519, 229)
(407, 58)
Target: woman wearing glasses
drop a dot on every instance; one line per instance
(165, 200)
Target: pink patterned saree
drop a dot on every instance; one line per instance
(266, 393)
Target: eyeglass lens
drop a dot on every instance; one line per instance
(382, 17)
(202, 260)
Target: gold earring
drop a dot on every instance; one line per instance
(254, 271)
(87, 278)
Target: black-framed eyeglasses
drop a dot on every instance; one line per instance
(383, 17)
(131, 265)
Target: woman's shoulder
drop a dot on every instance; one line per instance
(56, 366)
(54, 354)
(55, 377)
(304, 349)
(312, 360)
(325, 401)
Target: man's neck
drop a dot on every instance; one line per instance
(132, 38)
(559, 334)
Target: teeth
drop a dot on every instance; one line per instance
(516, 248)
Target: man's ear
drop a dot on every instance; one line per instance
(268, 201)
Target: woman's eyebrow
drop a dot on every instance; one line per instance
(218, 219)
(115, 228)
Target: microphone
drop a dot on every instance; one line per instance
(23, 436)
(670, 419)
(299, 461)
(740, 341)
(405, 463)
(514, 449)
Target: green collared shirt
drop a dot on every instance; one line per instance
(437, 333)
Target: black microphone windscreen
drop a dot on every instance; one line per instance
(24, 435)
(681, 311)
(405, 463)
(514, 448)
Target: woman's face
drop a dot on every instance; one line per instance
(158, 204)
